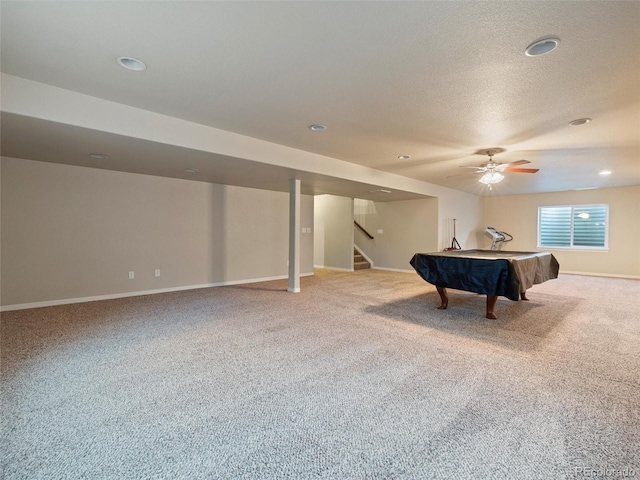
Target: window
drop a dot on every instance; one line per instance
(573, 226)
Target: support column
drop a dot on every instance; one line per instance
(294, 236)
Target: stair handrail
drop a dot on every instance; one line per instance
(363, 230)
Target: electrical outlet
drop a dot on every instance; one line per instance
(157, 272)
(132, 275)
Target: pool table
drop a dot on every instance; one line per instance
(495, 273)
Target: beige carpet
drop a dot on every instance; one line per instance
(359, 376)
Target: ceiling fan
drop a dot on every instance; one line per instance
(492, 171)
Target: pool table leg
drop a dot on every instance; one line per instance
(444, 298)
(491, 303)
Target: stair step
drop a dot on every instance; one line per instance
(359, 262)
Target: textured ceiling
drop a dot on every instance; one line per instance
(438, 81)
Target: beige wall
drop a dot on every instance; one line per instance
(408, 227)
(256, 226)
(73, 232)
(518, 215)
(466, 209)
(333, 227)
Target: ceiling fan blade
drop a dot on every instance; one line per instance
(517, 162)
(520, 170)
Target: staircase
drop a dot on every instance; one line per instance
(359, 262)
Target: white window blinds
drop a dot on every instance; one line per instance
(573, 226)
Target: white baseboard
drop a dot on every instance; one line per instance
(399, 270)
(96, 298)
(609, 275)
(373, 268)
(334, 268)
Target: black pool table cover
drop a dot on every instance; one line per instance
(491, 272)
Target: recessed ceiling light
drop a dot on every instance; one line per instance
(317, 127)
(100, 156)
(541, 47)
(380, 190)
(404, 157)
(605, 172)
(191, 170)
(579, 121)
(131, 63)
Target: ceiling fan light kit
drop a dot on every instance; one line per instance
(492, 177)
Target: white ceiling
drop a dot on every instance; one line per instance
(439, 81)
